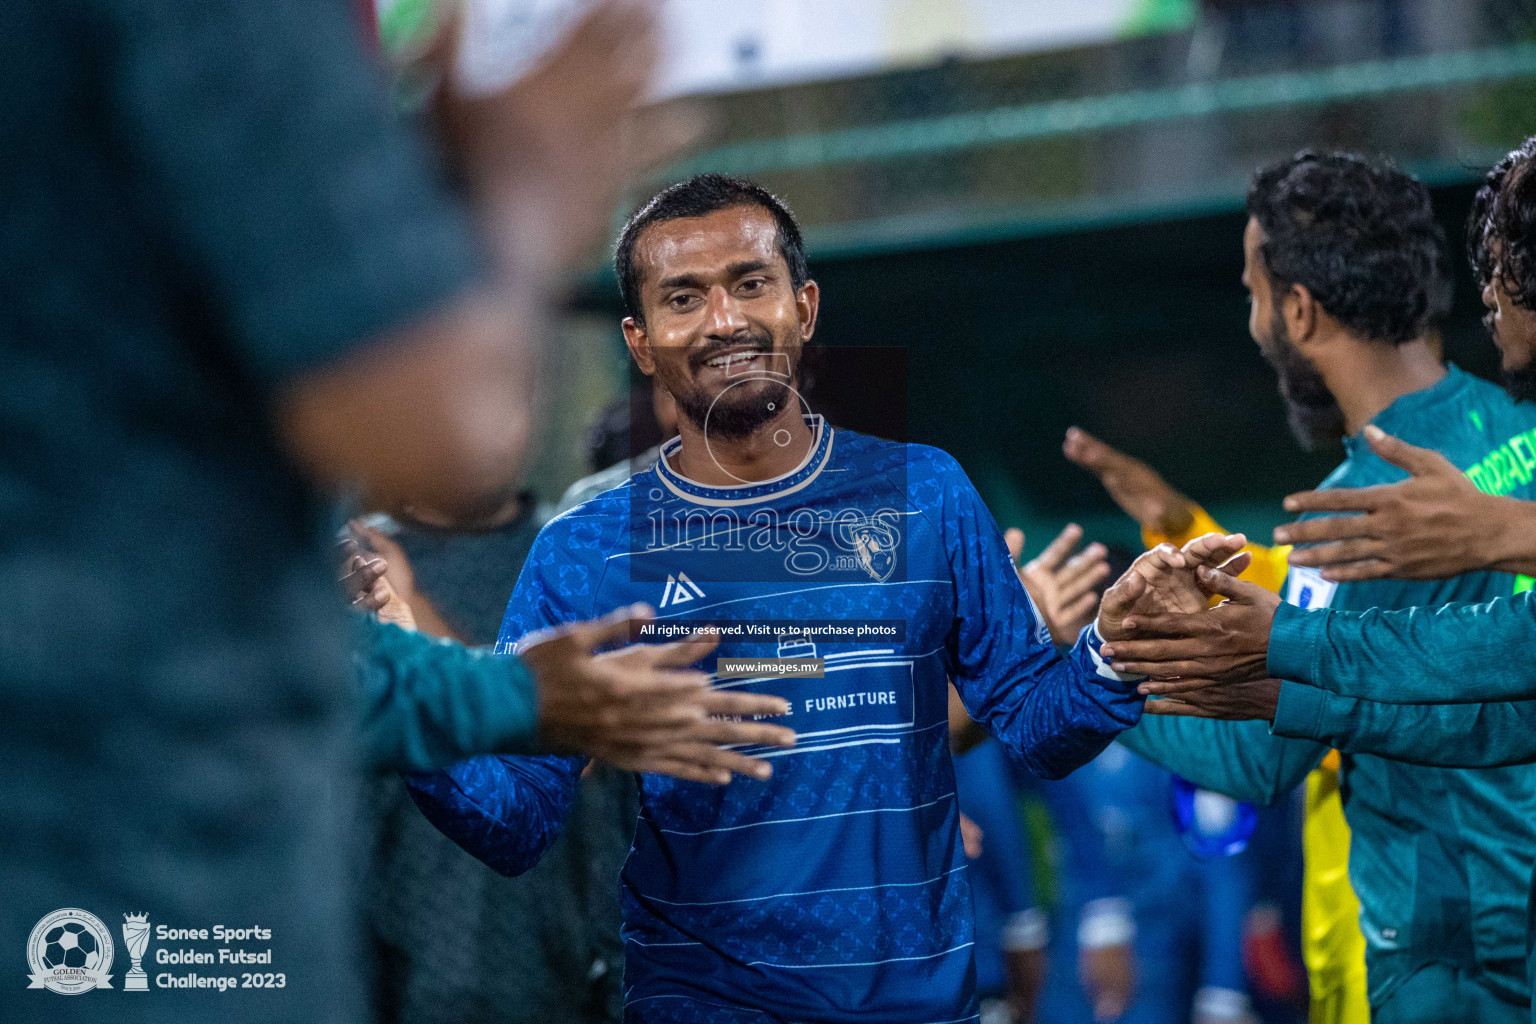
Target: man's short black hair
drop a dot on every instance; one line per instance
(1504, 214)
(700, 195)
(1358, 234)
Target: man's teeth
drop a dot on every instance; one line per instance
(735, 357)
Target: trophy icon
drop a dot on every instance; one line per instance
(136, 937)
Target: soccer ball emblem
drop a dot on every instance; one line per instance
(69, 952)
(71, 945)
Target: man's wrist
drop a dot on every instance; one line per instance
(1297, 712)
(1507, 541)
(1094, 639)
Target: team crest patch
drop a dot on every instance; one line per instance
(873, 543)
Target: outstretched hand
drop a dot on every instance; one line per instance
(1135, 486)
(1234, 702)
(1061, 582)
(366, 585)
(641, 708)
(1434, 525)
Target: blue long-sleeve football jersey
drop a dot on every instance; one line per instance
(836, 891)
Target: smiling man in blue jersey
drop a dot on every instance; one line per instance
(834, 890)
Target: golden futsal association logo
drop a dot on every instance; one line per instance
(70, 952)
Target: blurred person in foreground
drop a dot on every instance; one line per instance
(833, 890)
(233, 280)
(1343, 263)
(456, 942)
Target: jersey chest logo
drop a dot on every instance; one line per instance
(873, 543)
(679, 590)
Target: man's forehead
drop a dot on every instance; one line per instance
(1253, 233)
(699, 245)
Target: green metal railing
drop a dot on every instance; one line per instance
(956, 132)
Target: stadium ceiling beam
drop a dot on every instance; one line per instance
(1056, 118)
(987, 225)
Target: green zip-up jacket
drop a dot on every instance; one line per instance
(1441, 858)
(1461, 653)
(1435, 686)
(1458, 651)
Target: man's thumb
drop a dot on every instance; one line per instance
(1238, 563)
(1120, 598)
(1221, 584)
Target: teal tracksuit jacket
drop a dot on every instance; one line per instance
(1441, 858)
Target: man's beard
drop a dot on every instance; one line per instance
(1521, 383)
(1313, 413)
(739, 411)
(744, 406)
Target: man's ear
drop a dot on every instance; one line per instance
(807, 306)
(1300, 312)
(639, 345)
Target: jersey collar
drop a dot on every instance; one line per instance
(746, 494)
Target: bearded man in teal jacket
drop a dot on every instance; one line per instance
(1341, 262)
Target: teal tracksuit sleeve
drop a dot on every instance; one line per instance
(426, 703)
(1455, 653)
(1487, 735)
(1242, 760)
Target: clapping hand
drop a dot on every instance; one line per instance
(1434, 525)
(1061, 583)
(1202, 662)
(1162, 582)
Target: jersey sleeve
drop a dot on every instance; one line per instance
(503, 811)
(1487, 735)
(560, 579)
(1051, 712)
(1242, 760)
(1459, 652)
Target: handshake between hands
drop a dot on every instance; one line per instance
(1201, 660)
(643, 708)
